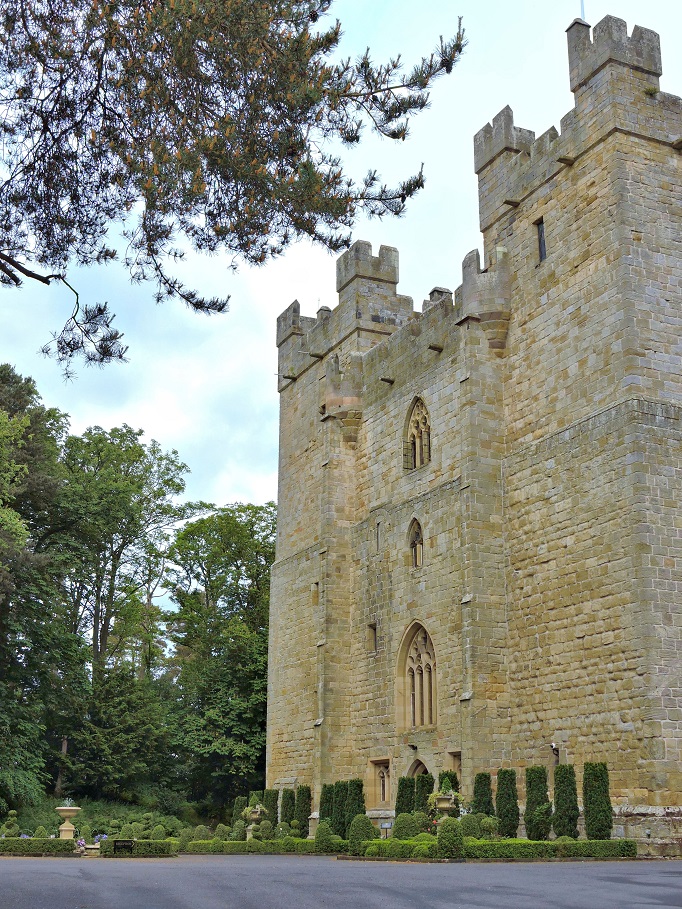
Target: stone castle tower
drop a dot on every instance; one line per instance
(479, 545)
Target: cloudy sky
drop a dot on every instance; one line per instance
(207, 386)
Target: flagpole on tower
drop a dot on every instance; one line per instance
(582, 10)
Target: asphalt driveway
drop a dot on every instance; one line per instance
(302, 882)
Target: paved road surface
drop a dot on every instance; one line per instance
(300, 882)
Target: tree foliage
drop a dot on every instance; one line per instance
(201, 123)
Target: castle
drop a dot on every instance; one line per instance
(479, 545)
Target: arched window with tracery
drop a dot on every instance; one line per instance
(416, 544)
(416, 683)
(417, 444)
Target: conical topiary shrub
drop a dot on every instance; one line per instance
(507, 803)
(287, 806)
(482, 802)
(327, 802)
(538, 814)
(270, 801)
(596, 801)
(355, 802)
(339, 811)
(423, 787)
(566, 813)
(404, 802)
(302, 809)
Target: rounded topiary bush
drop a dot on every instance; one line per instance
(255, 832)
(85, 833)
(421, 850)
(126, 832)
(295, 828)
(158, 833)
(423, 821)
(138, 830)
(471, 826)
(372, 850)
(507, 803)
(202, 832)
(266, 830)
(323, 838)
(222, 832)
(450, 839)
(40, 833)
(405, 827)
(186, 836)
(395, 848)
(489, 827)
(282, 830)
(361, 829)
(425, 838)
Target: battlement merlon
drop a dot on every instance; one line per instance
(610, 44)
(499, 136)
(290, 322)
(359, 265)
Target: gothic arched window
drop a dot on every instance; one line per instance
(417, 697)
(416, 544)
(417, 444)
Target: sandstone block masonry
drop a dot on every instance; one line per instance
(479, 543)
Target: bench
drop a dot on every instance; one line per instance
(124, 846)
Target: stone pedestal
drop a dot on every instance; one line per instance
(66, 812)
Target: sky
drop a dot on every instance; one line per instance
(206, 386)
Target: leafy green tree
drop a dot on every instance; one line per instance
(482, 802)
(507, 803)
(221, 583)
(196, 120)
(566, 811)
(597, 801)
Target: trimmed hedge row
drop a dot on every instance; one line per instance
(36, 846)
(544, 849)
(141, 849)
(271, 847)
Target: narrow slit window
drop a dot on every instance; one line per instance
(542, 247)
(372, 637)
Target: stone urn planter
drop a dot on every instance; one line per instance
(66, 812)
(254, 816)
(445, 803)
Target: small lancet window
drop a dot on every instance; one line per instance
(416, 545)
(417, 445)
(542, 246)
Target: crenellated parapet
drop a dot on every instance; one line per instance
(610, 44)
(615, 80)
(368, 303)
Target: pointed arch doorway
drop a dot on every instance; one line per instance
(417, 769)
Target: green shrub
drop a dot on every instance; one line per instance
(423, 787)
(323, 838)
(423, 850)
(526, 849)
(295, 828)
(239, 831)
(40, 833)
(42, 846)
(423, 821)
(138, 829)
(255, 798)
(282, 830)
(596, 801)
(223, 832)
(85, 833)
(398, 849)
(471, 825)
(158, 833)
(240, 804)
(482, 802)
(405, 827)
(450, 839)
(202, 833)
(404, 803)
(447, 781)
(536, 815)
(489, 827)
(141, 848)
(339, 810)
(302, 809)
(507, 803)
(355, 803)
(255, 832)
(372, 849)
(266, 830)
(566, 812)
(186, 837)
(425, 838)
(287, 806)
(270, 802)
(327, 802)
(360, 830)
(126, 832)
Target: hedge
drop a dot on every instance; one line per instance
(272, 847)
(544, 849)
(141, 848)
(37, 846)
(450, 841)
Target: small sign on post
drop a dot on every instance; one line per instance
(386, 827)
